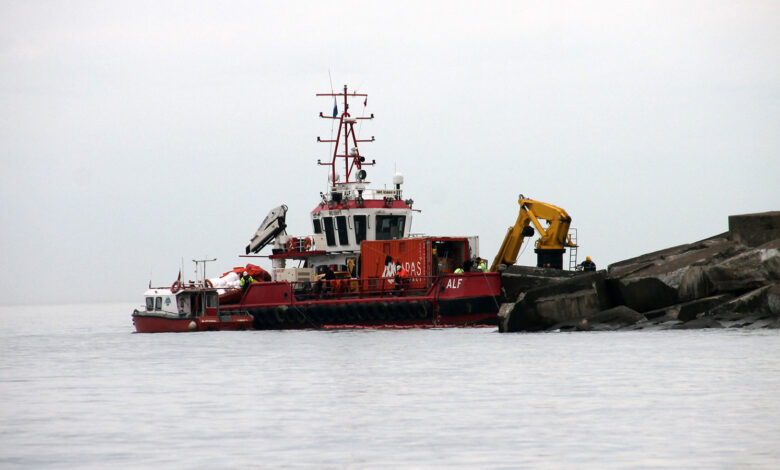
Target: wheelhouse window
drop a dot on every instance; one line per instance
(390, 227)
(330, 237)
(317, 226)
(360, 228)
(158, 303)
(341, 225)
(150, 304)
(211, 301)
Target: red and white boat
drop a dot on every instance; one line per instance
(193, 308)
(187, 306)
(360, 234)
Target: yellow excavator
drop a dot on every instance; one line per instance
(552, 240)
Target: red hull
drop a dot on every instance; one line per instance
(158, 324)
(453, 300)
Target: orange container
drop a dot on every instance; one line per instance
(424, 258)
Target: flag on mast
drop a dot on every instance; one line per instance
(335, 108)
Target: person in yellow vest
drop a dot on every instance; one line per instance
(246, 279)
(482, 264)
(466, 267)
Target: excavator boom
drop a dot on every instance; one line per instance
(552, 239)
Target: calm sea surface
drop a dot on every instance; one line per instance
(78, 389)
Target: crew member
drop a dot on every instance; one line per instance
(460, 269)
(324, 280)
(401, 277)
(588, 264)
(330, 278)
(246, 279)
(482, 264)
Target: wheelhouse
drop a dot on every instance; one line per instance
(185, 303)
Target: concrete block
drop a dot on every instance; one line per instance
(745, 271)
(518, 279)
(691, 310)
(560, 302)
(695, 284)
(611, 319)
(503, 315)
(764, 301)
(698, 323)
(655, 282)
(755, 229)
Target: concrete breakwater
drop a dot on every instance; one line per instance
(729, 280)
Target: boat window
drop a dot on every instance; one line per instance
(329, 235)
(341, 224)
(158, 303)
(150, 303)
(317, 226)
(211, 301)
(360, 228)
(390, 227)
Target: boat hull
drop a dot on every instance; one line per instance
(448, 300)
(390, 313)
(168, 324)
(453, 301)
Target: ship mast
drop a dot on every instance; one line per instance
(353, 161)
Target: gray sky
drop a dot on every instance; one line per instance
(135, 134)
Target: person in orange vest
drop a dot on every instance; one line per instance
(401, 277)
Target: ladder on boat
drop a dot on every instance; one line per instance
(573, 249)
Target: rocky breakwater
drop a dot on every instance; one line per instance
(729, 280)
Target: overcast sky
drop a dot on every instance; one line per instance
(137, 134)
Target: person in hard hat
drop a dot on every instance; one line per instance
(246, 279)
(588, 264)
(482, 264)
(401, 276)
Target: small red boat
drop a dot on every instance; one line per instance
(185, 307)
(345, 273)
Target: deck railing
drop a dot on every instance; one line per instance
(362, 288)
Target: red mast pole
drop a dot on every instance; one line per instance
(347, 127)
(346, 138)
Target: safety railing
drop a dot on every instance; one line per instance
(362, 288)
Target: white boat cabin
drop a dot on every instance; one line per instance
(187, 302)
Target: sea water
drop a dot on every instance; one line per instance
(79, 389)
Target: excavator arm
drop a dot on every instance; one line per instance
(552, 239)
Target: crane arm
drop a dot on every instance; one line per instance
(273, 225)
(554, 236)
(510, 247)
